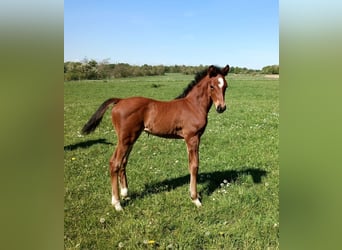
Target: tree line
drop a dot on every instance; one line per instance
(93, 70)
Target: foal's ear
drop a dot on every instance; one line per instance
(212, 71)
(225, 70)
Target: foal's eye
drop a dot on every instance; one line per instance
(211, 87)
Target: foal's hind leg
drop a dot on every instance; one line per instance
(115, 165)
(118, 164)
(122, 175)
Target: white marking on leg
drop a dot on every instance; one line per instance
(124, 192)
(116, 204)
(221, 82)
(197, 202)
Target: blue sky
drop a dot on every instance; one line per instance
(240, 33)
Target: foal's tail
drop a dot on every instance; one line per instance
(96, 118)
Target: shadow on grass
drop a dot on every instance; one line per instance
(86, 144)
(211, 181)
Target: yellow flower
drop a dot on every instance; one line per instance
(73, 158)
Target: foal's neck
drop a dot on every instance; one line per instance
(199, 96)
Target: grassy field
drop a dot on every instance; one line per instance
(238, 175)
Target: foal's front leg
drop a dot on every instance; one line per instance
(193, 147)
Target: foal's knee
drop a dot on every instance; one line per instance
(194, 169)
(113, 168)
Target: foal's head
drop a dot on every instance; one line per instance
(217, 86)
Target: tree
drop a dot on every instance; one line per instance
(271, 69)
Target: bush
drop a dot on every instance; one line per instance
(272, 69)
(93, 70)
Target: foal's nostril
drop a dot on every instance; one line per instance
(221, 109)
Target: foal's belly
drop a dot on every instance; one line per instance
(171, 134)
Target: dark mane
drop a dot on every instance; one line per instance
(198, 77)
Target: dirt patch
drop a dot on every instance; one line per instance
(272, 76)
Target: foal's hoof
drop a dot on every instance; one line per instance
(116, 204)
(197, 202)
(118, 207)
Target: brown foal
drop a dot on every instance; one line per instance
(185, 118)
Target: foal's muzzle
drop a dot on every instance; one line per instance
(220, 109)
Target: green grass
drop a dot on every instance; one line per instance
(240, 146)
